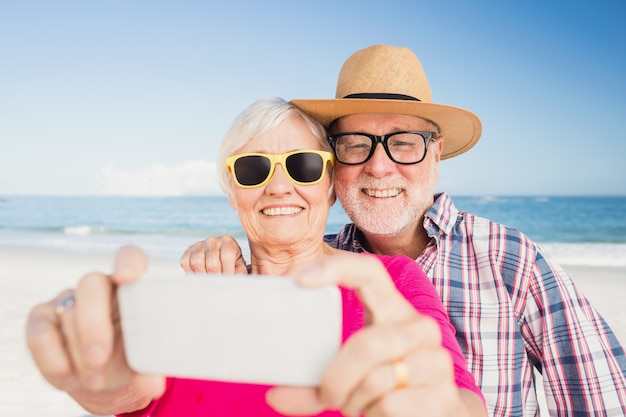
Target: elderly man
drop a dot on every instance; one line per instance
(513, 309)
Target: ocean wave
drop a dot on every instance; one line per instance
(84, 230)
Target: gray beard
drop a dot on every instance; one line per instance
(407, 210)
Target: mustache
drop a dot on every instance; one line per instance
(380, 183)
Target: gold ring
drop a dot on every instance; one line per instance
(400, 372)
(64, 304)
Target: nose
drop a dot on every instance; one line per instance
(379, 164)
(279, 182)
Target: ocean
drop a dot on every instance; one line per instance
(572, 230)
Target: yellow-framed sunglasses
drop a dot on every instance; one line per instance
(251, 170)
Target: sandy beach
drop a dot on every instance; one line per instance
(28, 277)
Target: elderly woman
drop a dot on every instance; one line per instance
(399, 355)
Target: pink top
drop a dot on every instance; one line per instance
(187, 397)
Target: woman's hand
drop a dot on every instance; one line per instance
(76, 342)
(395, 366)
(214, 254)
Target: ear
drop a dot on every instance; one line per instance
(232, 201)
(332, 197)
(231, 195)
(439, 148)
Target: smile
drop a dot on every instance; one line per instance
(281, 211)
(386, 193)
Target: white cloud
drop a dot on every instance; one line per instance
(188, 178)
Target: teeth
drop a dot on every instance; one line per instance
(386, 193)
(281, 211)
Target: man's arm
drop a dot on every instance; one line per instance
(583, 363)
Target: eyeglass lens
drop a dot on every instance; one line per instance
(402, 147)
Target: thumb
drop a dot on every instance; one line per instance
(130, 263)
(151, 386)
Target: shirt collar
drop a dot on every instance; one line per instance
(441, 217)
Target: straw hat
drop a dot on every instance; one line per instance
(388, 79)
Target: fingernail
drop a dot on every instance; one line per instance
(122, 267)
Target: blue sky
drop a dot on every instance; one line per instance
(133, 97)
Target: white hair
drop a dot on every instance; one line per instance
(257, 119)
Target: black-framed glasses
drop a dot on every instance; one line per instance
(251, 170)
(408, 147)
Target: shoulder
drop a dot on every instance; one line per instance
(459, 223)
(472, 227)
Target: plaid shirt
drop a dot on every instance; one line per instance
(514, 311)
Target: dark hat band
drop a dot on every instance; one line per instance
(382, 96)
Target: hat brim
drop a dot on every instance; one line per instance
(460, 128)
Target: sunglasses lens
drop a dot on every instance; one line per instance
(252, 170)
(305, 167)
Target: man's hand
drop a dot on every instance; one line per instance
(214, 254)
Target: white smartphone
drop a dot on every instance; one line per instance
(235, 328)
